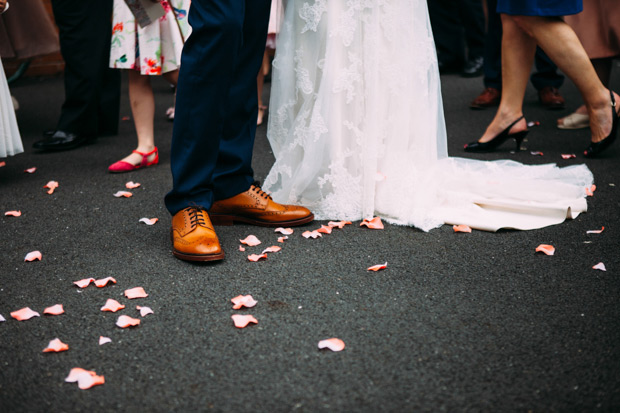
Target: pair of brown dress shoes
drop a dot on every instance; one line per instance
(548, 96)
(192, 233)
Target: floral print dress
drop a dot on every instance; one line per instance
(154, 49)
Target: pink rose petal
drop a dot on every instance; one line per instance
(378, 267)
(275, 248)
(149, 221)
(374, 223)
(104, 281)
(84, 378)
(250, 240)
(13, 214)
(590, 190)
(461, 228)
(339, 224)
(2, 164)
(284, 231)
(125, 321)
(30, 170)
(325, 229)
(112, 306)
(547, 249)
(568, 155)
(125, 194)
(56, 346)
(54, 310)
(600, 266)
(103, 340)
(311, 234)
(84, 283)
(242, 321)
(537, 153)
(256, 257)
(243, 301)
(34, 255)
(334, 344)
(132, 185)
(281, 239)
(24, 314)
(51, 185)
(144, 311)
(596, 231)
(137, 292)
(241, 248)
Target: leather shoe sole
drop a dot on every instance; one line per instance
(230, 219)
(195, 257)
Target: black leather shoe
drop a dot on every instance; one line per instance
(473, 67)
(60, 141)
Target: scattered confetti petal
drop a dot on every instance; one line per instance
(125, 118)
(132, 185)
(112, 306)
(13, 213)
(334, 344)
(533, 123)
(568, 155)
(103, 340)
(274, 248)
(144, 311)
(590, 190)
(2, 318)
(461, 228)
(150, 221)
(24, 314)
(596, 231)
(600, 266)
(104, 281)
(547, 249)
(281, 239)
(378, 267)
(325, 229)
(54, 310)
(284, 231)
(125, 194)
(137, 292)
(241, 248)
(34, 255)
(2, 164)
(84, 283)
(51, 185)
(339, 224)
(311, 234)
(84, 378)
(243, 301)
(256, 257)
(30, 170)
(56, 346)
(242, 321)
(125, 321)
(536, 153)
(374, 223)
(250, 240)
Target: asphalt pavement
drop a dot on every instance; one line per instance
(456, 322)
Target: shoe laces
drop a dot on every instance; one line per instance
(257, 189)
(196, 216)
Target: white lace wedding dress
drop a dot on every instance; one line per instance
(357, 128)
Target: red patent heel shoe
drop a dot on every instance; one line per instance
(122, 166)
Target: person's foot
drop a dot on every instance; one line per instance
(261, 114)
(500, 124)
(601, 118)
(193, 236)
(136, 160)
(61, 140)
(488, 98)
(579, 119)
(473, 67)
(550, 98)
(255, 207)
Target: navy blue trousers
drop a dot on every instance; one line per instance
(216, 103)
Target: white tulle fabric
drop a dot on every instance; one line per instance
(10, 139)
(357, 128)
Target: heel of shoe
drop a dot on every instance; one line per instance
(519, 137)
(221, 220)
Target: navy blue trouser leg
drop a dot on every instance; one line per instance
(216, 103)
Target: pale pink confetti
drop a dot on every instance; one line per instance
(461, 228)
(334, 344)
(84, 283)
(104, 340)
(378, 267)
(54, 310)
(13, 214)
(600, 266)
(144, 311)
(568, 155)
(242, 321)
(595, 231)
(132, 185)
(537, 153)
(282, 239)
(30, 170)
(150, 221)
(243, 301)
(125, 321)
(374, 223)
(112, 306)
(24, 314)
(250, 240)
(56, 346)
(136, 292)
(125, 194)
(284, 231)
(34, 255)
(2, 164)
(590, 190)
(274, 248)
(339, 224)
(84, 378)
(256, 257)
(51, 185)
(325, 229)
(2, 318)
(311, 234)
(104, 281)
(546, 249)
(241, 248)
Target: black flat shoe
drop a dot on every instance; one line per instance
(498, 140)
(60, 141)
(596, 148)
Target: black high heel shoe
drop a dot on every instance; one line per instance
(597, 147)
(498, 140)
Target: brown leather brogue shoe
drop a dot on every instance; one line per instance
(193, 236)
(488, 98)
(255, 207)
(550, 98)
